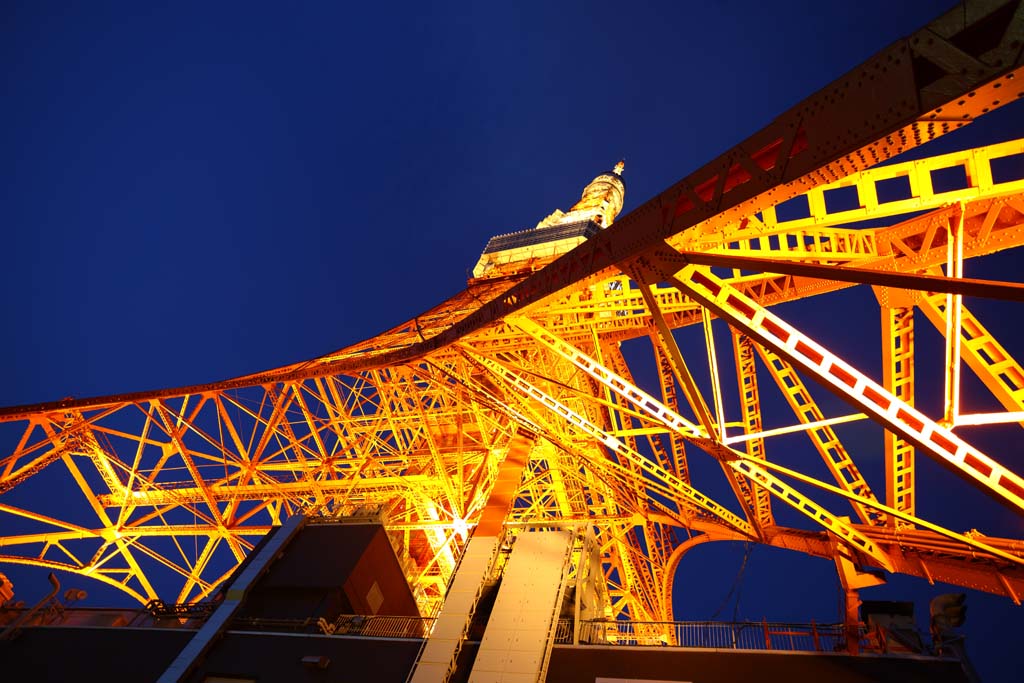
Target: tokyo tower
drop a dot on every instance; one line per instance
(600, 370)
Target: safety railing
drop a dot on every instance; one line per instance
(388, 627)
(563, 631)
(107, 617)
(192, 617)
(345, 624)
(753, 635)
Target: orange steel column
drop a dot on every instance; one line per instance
(898, 377)
(510, 473)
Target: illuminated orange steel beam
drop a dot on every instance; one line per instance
(898, 378)
(849, 383)
(1008, 291)
(645, 401)
(627, 485)
(923, 554)
(669, 459)
(813, 236)
(964, 539)
(665, 414)
(750, 404)
(954, 305)
(671, 351)
(824, 438)
(510, 472)
(991, 224)
(669, 397)
(716, 385)
(998, 370)
(615, 445)
(715, 428)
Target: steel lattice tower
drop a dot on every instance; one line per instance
(418, 422)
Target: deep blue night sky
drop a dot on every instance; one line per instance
(191, 192)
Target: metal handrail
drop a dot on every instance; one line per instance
(381, 626)
(750, 635)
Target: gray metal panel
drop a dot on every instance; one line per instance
(442, 647)
(519, 631)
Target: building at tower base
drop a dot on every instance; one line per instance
(326, 600)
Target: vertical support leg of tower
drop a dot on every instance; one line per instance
(750, 402)
(437, 659)
(898, 377)
(954, 303)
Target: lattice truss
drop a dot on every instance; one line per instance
(632, 427)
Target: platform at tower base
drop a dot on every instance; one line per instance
(56, 653)
(331, 603)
